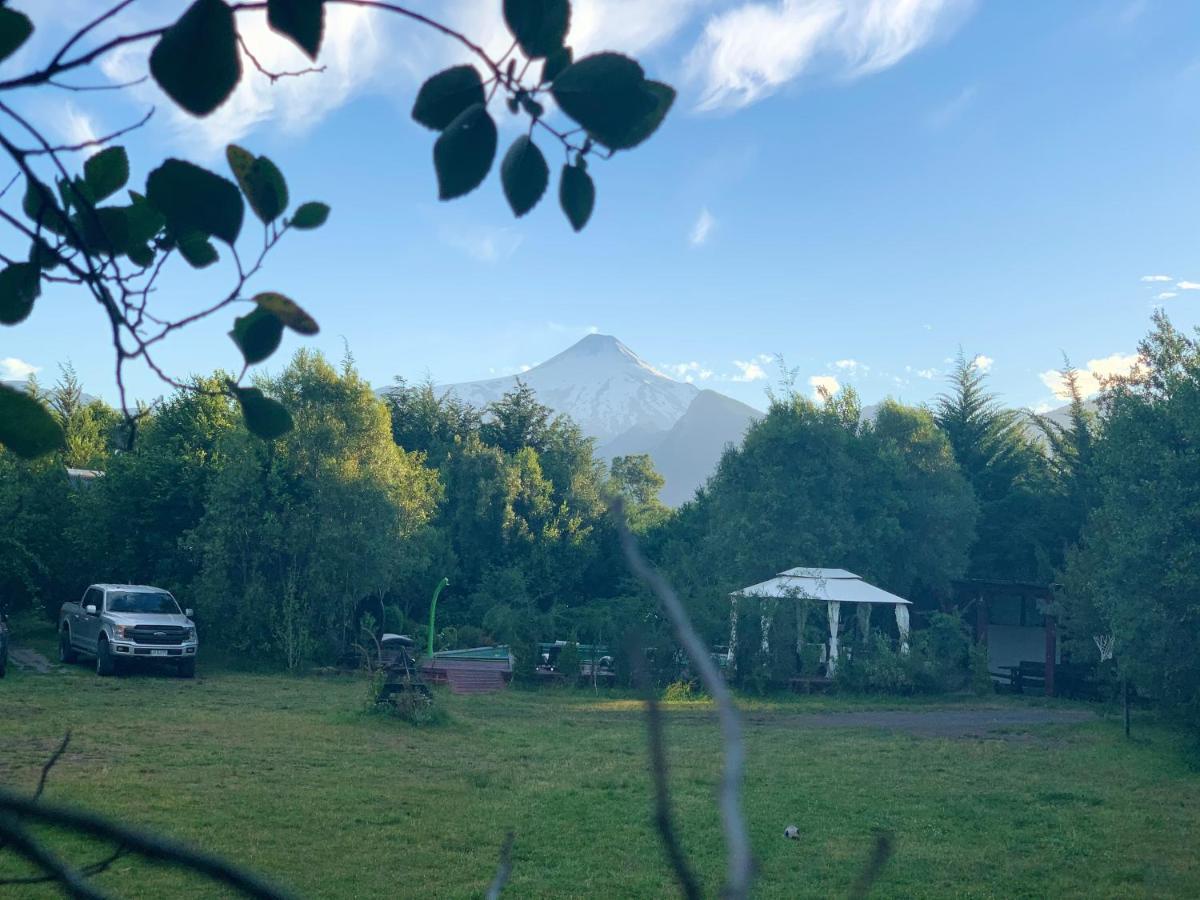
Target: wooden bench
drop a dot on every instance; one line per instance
(804, 684)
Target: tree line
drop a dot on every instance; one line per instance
(284, 546)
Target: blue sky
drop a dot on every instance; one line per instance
(858, 186)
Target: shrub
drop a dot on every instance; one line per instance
(877, 667)
(568, 663)
(682, 692)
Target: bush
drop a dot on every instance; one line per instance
(416, 708)
(568, 663)
(877, 667)
(682, 692)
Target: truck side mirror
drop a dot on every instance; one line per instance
(188, 612)
(90, 609)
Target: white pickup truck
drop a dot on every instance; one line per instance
(115, 622)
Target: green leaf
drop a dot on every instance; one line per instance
(463, 153)
(301, 20)
(42, 255)
(145, 222)
(524, 175)
(141, 255)
(663, 96)
(555, 63)
(197, 249)
(608, 95)
(265, 417)
(27, 428)
(20, 285)
(104, 230)
(15, 29)
(261, 182)
(310, 215)
(40, 206)
(576, 195)
(196, 61)
(257, 334)
(540, 26)
(195, 199)
(106, 172)
(445, 95)
(288, 312)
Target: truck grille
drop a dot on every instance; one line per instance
(157, 635)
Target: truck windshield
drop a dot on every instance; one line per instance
(143, 602)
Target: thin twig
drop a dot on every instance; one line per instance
(503, 870)
(663, 819)
(881, 852)
(739, 865)
(151, 846)
(275, 76)
(93, 142)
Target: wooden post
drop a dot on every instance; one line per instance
(1125, 702)
(981, 620)
(1051, 648)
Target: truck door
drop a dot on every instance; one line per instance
(88, 627)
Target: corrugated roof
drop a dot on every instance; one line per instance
(820, 584)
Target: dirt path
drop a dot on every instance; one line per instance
(959, 723)
(33, 661)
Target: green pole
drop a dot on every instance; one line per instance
(432, 612)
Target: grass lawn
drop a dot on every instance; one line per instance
(288, 776)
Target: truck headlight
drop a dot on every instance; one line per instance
(190, 634)
(122, 629)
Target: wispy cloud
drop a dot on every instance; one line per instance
(76, 126)
(823, 384)
(851, 367)
(952, 109)
(1153, 278)
(687, 371)
(703, 228)
(14, 369)
(752, 369)
(751, 51)
(1165, 295)
(1092, 376)
(483, 243)
(984, 363)
(1188, 285)
(927, 374)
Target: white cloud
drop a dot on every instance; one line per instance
(751, 51)
(952, 109)
(1165, 295)
(851, 367)
(927, 373)
(749, 370)
(1149, 279)
(703, 228)
(483, 243)
(13, 369)
(76, 126)
(1091, 376)
(984, 363)
(354, 53)
(687, 371)
(823, 384)
(1188, 285)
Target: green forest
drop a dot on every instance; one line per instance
(284, 546)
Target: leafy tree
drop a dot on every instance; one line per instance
(429, 422)
(637, 482)
(517, 420)
(1134, 574)
(296, 533)
(1007, 472)
(118, 251)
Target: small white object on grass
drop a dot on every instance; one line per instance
(791, 833)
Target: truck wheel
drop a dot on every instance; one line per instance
(105, 664)
(66, 653)
(187, 669)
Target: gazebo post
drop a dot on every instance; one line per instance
(834, 613)
(902, 625)
(733, 631)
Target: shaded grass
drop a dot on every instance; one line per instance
(288, 776)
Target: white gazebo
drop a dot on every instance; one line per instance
(832, 587)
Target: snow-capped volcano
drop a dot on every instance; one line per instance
(601, 384)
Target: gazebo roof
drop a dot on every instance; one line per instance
(820, 584)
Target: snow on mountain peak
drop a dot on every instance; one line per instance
(600, 383)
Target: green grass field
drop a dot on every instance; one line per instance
(289, 776)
